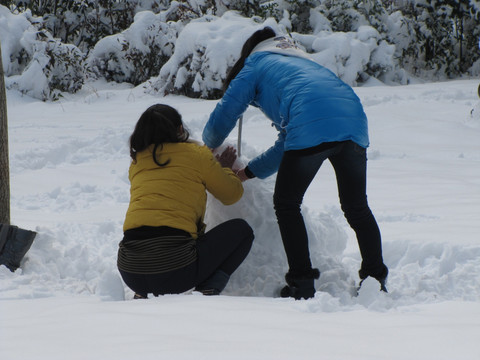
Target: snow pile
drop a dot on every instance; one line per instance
(262, 273)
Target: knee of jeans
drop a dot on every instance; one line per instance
(243, 225)
(356, 213)
(281, 203)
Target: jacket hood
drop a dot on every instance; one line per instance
(281, 45)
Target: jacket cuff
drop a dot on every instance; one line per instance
(249, 173)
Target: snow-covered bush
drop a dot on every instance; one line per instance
(54, 68)
(205, 50)
(353, 56)
(342, 15)
(437, 39)
(85, 22)
(138, 53)
(293, 14)
(187, 46)
(37, 64)
(13, 57)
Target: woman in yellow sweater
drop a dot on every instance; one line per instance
(165, 249)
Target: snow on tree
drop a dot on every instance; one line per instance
(208, 47)
(84, 22)
(138, 53)
(205, 50)
(40, 66)
(51, 46)
(12, 28)
(354, 55)
(442, 36)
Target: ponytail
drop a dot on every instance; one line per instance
(256, 38)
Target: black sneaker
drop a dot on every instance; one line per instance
(138, 296)
(298, 293)
(209, 292)
(215, 284)
(300, 285)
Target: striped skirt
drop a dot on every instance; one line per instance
(156, 255)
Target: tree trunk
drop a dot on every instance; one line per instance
(4, 166)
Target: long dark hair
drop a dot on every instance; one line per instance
(159, 124)
(256, 38)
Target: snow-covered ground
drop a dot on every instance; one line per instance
(69, 162)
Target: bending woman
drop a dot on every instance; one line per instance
(165, 249)
(318, 117)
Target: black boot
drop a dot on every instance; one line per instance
(381, 277)
(215, 284)
(14, 244)
(300, 284)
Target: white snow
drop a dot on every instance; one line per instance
(69, 162)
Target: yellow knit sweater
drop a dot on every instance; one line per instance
(175, 195)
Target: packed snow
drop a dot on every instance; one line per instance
(69, 162)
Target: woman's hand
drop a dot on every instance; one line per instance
(241, 174)
(227, 157)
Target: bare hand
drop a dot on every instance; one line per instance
(241, 174)
(227, 157)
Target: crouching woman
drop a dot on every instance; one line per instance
(165, 249)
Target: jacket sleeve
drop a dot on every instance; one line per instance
(234, 102)
(221, 182)
(267, 163)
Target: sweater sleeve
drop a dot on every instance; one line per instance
(221, 182)
(234, 102)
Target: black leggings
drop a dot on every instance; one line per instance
(296, 172)
(222, 248)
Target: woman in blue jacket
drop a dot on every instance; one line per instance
(318, 117)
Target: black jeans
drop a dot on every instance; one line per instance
(296, 172)
(222, 248)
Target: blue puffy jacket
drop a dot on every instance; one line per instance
(307, 103)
